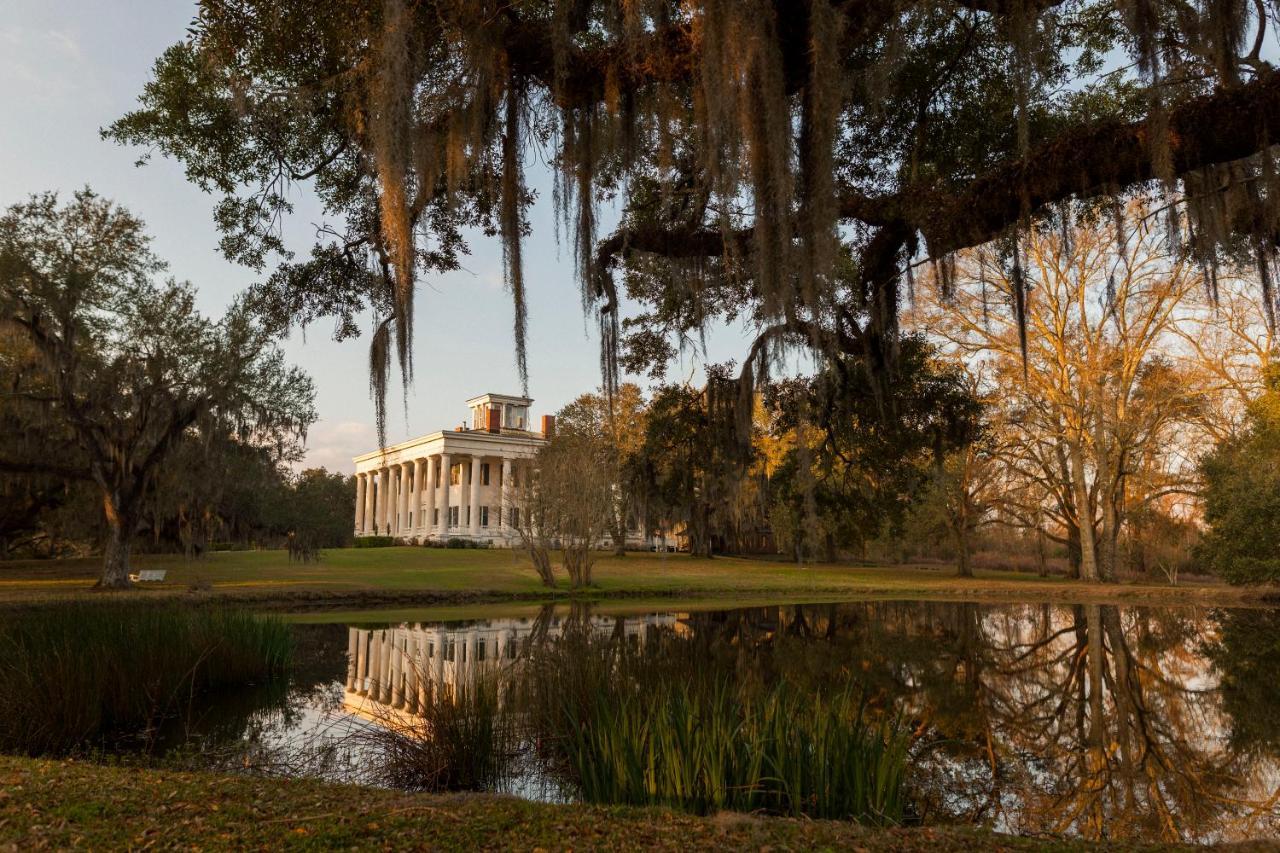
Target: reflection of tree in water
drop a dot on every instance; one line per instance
(1125, 722)
(1247, 653)
(1089, 720)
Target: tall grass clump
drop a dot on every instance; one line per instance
(629, 731)
(453, 742)
(85, 674)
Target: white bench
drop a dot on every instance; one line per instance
(148, 576)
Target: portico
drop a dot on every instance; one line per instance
(452, 484)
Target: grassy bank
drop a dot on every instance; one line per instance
(387, 576)
(60, 805)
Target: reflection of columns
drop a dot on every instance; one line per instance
(352, 638)
(447, 476)
(504, 511)
(423, 673)
(429, 512)
(375, 664)
(362, 660)
(386, 650)
(360, 487)
(475, 496)
(415, 501)
(412, 640)
(397, 669)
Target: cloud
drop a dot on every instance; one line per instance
(43, 64)
(332, 444)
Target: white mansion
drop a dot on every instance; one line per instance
(452, 484)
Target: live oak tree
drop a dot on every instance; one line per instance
(755, 146)
(852, 473)
(689, 466)
(122, 362)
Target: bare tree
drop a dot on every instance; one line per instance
(617, 422)
(566, 504)
(1091, 413)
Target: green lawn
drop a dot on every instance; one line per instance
(379, 576)
(62, 805)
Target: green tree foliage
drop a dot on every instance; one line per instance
(852, 473)
(1242, 496)
(320, 507)
(125, 364)
(690, 464)
(754, 147)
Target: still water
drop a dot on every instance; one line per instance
(1087, 720)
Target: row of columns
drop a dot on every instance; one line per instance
(402, 498)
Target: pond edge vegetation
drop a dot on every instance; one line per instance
(79, 675)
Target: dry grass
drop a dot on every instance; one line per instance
(63, 805)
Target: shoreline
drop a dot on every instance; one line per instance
(405, 577)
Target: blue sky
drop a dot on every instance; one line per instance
(70, 67)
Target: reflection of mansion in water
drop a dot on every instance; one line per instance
(398, 667)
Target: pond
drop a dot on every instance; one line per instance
(1097, 721)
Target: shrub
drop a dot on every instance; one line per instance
(1242, 496)
(465, 742)
(81, 674)
(374, 541)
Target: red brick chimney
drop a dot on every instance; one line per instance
(493, 419)
(548, 426)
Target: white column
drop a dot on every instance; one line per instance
(384, 486)
(366, 525)
(430, 511)
(360, 487)
(406, 471)
(475, 496)
(415, 502)
(393, 499)
(504, 511)
(445, 462)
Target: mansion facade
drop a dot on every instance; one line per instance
(453, 484)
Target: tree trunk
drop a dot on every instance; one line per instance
(1073, 551)
(1084, 516)
(115, 557)
(963, 569)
